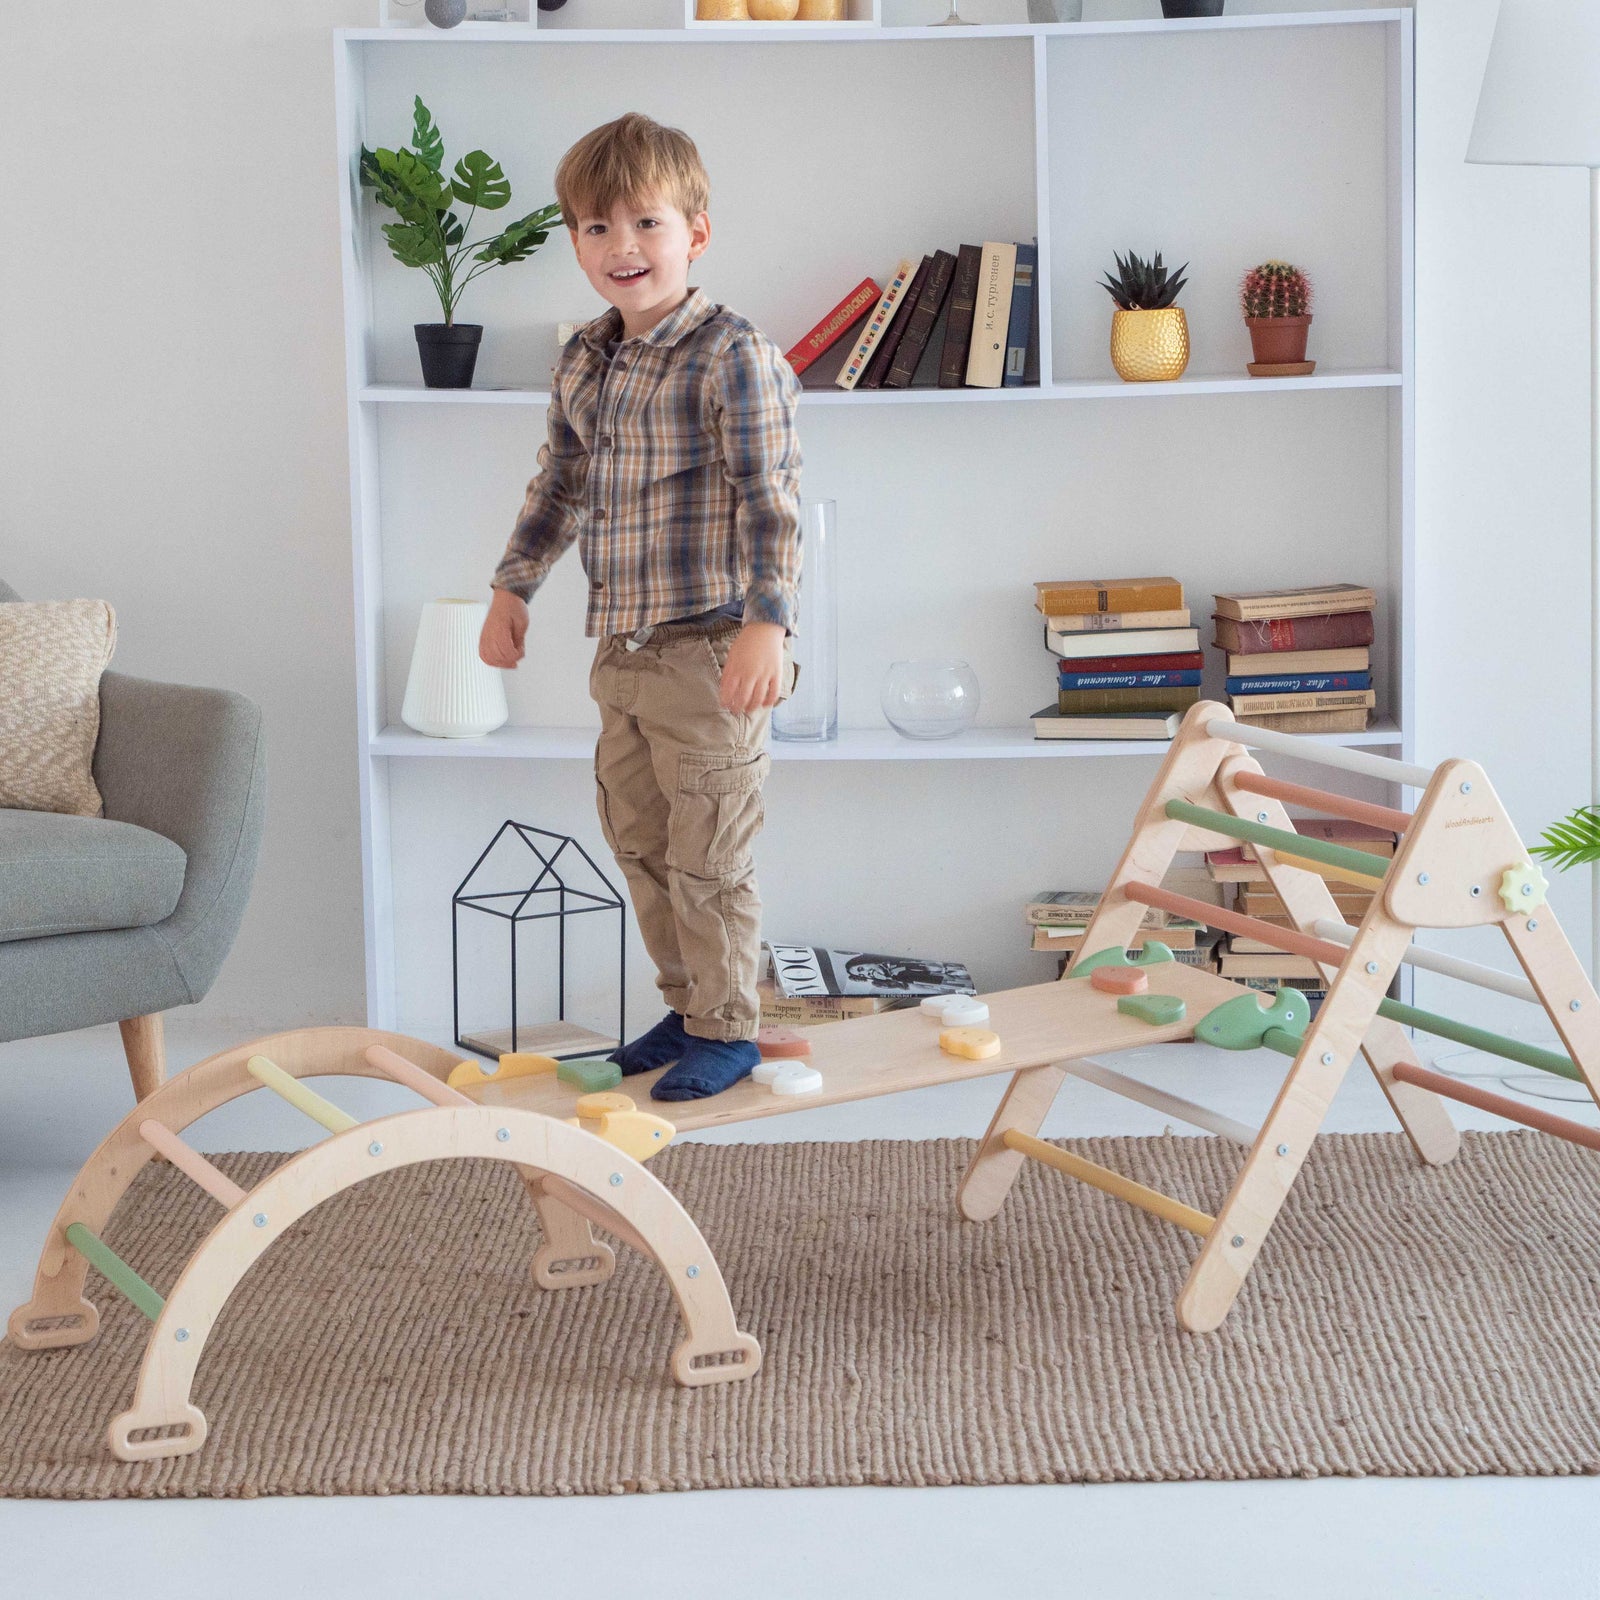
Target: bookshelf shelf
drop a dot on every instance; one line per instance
(1084, 389)
(998, 131)
(853, 744)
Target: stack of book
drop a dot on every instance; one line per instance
(1298, 659)
(1128, 660)
(962, 320)
(805, 984)
(1256, 962)
(1058, 919)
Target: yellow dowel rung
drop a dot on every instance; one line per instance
(271, 1076)
(1335, 874)
(190, 1162)
(1111, 1183)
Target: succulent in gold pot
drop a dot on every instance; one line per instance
(1276, 300)
(1149, 334)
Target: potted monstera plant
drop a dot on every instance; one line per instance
(432, 237)
(1149, 334)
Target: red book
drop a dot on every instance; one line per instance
(1186, 662)
(1337, 632)
(861, 299)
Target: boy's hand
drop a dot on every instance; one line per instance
(754, 667)
(504, 629)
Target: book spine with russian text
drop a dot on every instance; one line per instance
(836, 323)
(856, 362)
(958, 331)
(1128, 680)
(1021, 314)
(1307, 683)
(1338, 632)
(991, 315)
(883, 356)
(921, 322)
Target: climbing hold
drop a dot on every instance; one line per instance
(513, 1064)
(1243, 1022)
(976, 1044)
(590, 1073)
(1159, 1010)
(1523, 888)
(1120, 980)
(797, 1080)
(1153, 955)
(777, 1044)
(955, 1010)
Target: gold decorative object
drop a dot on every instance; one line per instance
(773, 10)
(823, 11)
(721, 11)
(1150, 346)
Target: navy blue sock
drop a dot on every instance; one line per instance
(663, 1043)
(707, 1066)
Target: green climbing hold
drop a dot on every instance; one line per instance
(1159, 1010)
(590, 1074)
(1242, 1023)
(1153, 954)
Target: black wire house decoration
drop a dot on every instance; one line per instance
(559, 1038)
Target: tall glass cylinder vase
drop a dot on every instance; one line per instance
(812, 711)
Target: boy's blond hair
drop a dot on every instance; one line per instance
(625, 160)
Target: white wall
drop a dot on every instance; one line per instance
(174, 439)
(1502, 473)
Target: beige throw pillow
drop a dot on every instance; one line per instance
(52, 653)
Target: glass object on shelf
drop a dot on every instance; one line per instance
(1055, 10)
(954, 20)
(450, 692)
(812, 711)
(930, 699)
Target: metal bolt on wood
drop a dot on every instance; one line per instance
(260, 1219)
(692, 1272)
(616, 1180)
(1283, 1149)
(502, 1134)
(374, 1149)
(1238, 1239)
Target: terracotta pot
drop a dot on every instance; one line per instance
(1150, 346)
(1278, 339)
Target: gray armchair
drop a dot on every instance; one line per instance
(120, 918)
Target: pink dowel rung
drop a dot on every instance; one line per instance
(1300, 944)
(190, 1162)
(1498, 1104)
(1336, 805)
(412, 1077)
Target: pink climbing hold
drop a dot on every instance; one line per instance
(778, 1044)
(1120, 980)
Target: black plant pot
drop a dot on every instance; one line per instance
(449, 352)
(1191, 8)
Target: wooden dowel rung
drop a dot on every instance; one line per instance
(190, 1162)
(1300, 849)
(1336, 805)
(1196, 1116)
(1500, 1105)
(1360, 880)
(115, 1270)
(409, 1075)
(271, 1076)
(1437, 961)
(1495, 1044)
(1301, 748)
(1300, 944)
(1109, 1182)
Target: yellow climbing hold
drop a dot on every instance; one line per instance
(1523, 888)
(976, 1044)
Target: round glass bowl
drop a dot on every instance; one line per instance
(930, 699)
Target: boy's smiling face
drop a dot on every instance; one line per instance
(638, 257)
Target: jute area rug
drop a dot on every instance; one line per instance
(1400, 1321)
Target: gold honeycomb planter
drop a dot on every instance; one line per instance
(1150, 346)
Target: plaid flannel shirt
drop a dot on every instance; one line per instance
(676, 466)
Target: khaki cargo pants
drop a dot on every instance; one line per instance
(678, 786)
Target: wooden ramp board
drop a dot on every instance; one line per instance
(897, 1050)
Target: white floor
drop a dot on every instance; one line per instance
(1494, 1538)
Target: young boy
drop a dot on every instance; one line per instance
(672, 459)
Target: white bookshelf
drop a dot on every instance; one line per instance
(1116, 131)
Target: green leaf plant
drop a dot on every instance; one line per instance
(1572, 842)
(430, 236)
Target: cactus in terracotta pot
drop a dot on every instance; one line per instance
(1276, 300)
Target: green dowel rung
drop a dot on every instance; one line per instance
(1496, 1044)
(115, 1270)
(1342, 856)
(1281, 1040)
(288, 1087)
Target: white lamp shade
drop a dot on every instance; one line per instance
(1540, 101)
(450, 692)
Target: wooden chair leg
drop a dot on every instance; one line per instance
(144, 1044)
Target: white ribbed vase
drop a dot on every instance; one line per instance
(450, 693)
